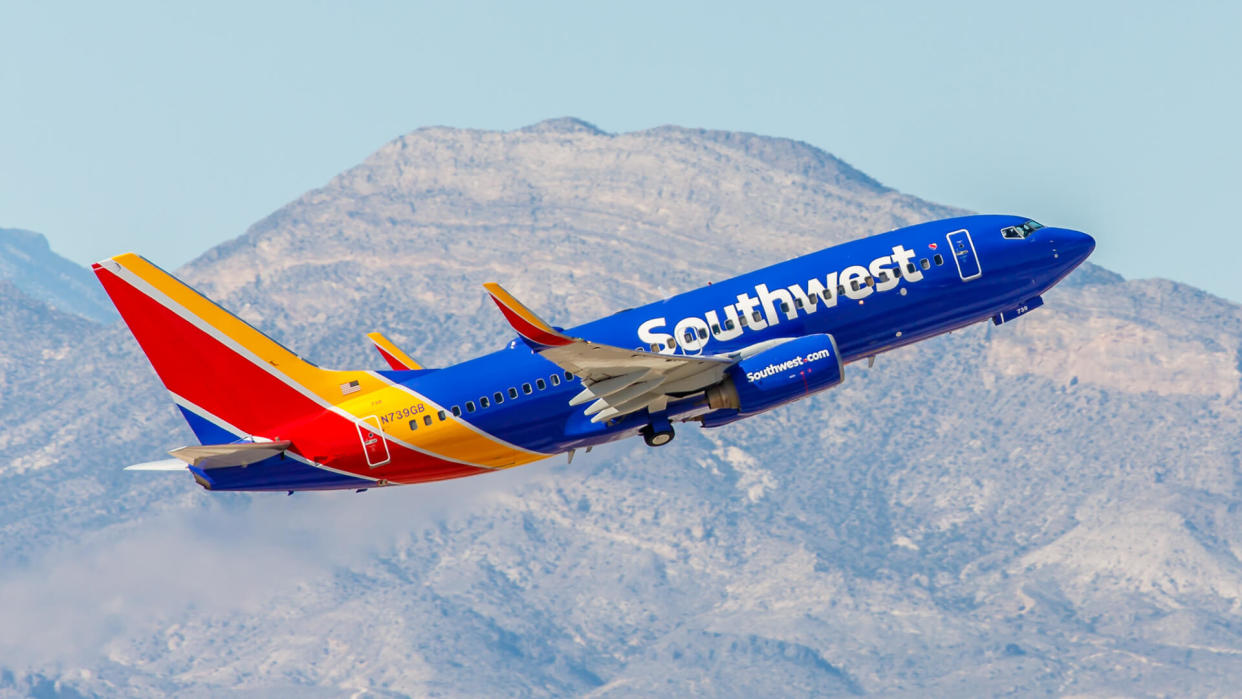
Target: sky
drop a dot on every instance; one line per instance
(166, 128)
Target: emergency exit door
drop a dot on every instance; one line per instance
(964, 255)
(374, 446)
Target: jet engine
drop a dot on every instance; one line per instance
(774, 376)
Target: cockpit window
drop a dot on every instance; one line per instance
(1020, 232)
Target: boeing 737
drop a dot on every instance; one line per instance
(269, 420)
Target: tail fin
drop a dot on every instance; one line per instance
(230, 380)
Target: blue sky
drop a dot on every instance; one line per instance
(166, 128)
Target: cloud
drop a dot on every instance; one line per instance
(83, 602)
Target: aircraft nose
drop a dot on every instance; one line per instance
(1073, 246)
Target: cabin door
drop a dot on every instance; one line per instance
(964, 254)
(374, 446)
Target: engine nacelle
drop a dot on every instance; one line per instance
(786, 372)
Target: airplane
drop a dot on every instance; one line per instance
(269, 420)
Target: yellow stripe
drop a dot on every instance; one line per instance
(451, 439)
(387, 345)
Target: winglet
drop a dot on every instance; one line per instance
(524, 321)
(392, 354)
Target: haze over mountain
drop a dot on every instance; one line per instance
(27, 262)
(1049, 506)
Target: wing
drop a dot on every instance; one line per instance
(617, 381)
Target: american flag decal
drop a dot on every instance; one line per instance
(351, 387)
(932, 246)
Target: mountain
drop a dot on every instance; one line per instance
(27, 262)
(1048, 506)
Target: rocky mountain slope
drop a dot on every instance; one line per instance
(28, 263)
(1049, 506)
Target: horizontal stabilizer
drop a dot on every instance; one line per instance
(225, 455)
(398, 360)
(164, 465)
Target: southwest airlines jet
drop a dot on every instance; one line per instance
(267, 419)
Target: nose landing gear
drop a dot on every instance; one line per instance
(658, 433)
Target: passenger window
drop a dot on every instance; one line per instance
(939, 260)
(442, 416)
(715, 329)
(689, 336)
(414, 424)
(540, 384)
(924, 263)
(498, 397)
(526, 389)
(702, 333)
(427, 420)
(840, 289)
(870, 281)
(784, 307)
(883, 276)
(669, 345)
(910, 268)
(470, 406)
(570, 377)
(827, 294)
(556, 380)
(757, 315)
(798, 303)
(854, 284)
(512, 392)
(729, 324)
(456, 411)
(483, 402)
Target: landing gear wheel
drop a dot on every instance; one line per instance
(659, 438)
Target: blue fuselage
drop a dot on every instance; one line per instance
(872, 295)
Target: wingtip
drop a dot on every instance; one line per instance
(393, 355)
(527, 324)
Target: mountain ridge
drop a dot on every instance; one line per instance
(28, 262)
(1049, 505)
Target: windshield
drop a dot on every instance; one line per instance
(1022, 231)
